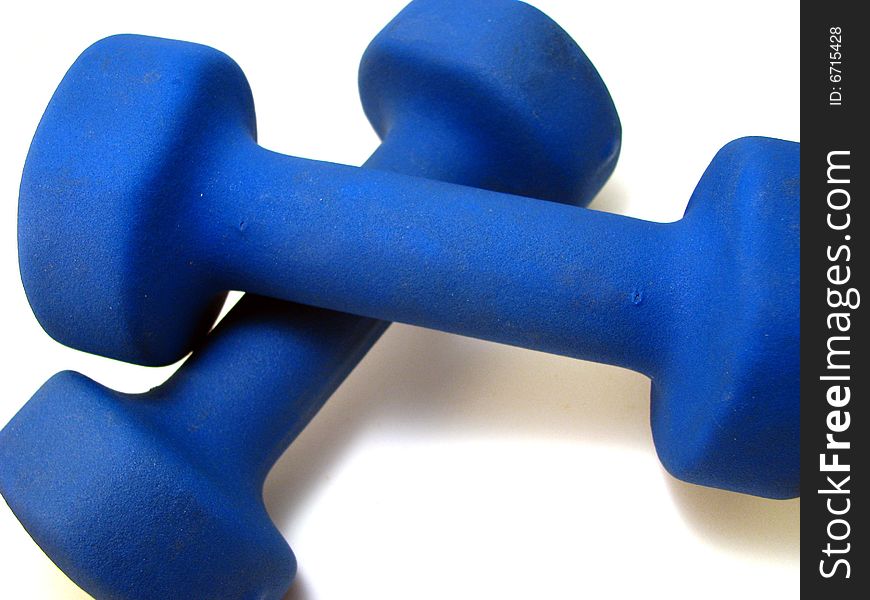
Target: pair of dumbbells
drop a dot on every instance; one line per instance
(145, 197)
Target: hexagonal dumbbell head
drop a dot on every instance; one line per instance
(512, 88)
(726, 389)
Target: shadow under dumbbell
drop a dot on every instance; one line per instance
(299, 590)
(429, 383)
(741, 523)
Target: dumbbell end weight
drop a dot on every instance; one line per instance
(518, 90)
(726, 396)
(122, 132)
(56, 478)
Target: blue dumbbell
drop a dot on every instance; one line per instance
(123, 252)
(159, 495)
(147, 152)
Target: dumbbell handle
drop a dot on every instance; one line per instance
(270, 365)
(266, 370)
(535, 274)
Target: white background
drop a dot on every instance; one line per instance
(448, 467)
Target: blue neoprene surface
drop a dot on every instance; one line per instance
(145, 197)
